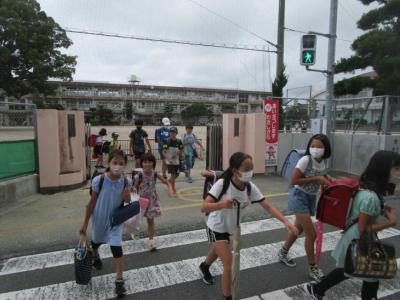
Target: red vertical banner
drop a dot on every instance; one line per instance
(271, 110)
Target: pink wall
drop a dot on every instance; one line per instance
(61, 158)
(251, 139)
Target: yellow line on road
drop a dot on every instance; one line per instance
(62, 222)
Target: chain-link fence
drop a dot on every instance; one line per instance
(17, 139)
(370, 114)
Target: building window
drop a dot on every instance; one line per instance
(243, 98)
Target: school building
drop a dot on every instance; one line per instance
(150, 102)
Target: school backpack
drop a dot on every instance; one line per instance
(290, 162)
(335, 201)
(211, 177)
(92, 140)
(97, 172)
(139, 172)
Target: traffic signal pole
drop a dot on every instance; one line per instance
(330, 67)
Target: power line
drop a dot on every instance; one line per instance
(169, 41)
(234, 23)
(304, 32)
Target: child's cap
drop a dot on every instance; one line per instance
(114, 134)
(173, 129)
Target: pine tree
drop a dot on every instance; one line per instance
(379, 48)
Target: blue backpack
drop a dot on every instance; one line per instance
(290, 162)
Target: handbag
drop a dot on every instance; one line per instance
(368, 257)
(83, 257)
(124, 212)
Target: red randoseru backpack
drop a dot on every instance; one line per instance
(334, 204)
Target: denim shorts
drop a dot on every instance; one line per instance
(189, 162)
(302, 202)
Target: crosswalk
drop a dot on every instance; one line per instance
(172, 271)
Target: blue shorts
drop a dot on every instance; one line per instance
(189, 162)
(301, 202)
(161, 152)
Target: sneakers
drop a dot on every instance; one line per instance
(97, 264)
(309, 290)
(284, 258)
(120, 290)
(205, 271)
(189, 180)
(152, 245)
(315, 273)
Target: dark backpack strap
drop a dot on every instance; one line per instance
(248, 189)
(100, 184)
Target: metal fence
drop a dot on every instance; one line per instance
(18, 150)
(379, 114)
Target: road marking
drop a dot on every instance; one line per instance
(65, 257)
(349, 289)
(169, 274)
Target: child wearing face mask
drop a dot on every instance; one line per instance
(108, 192)
(145, 184)
(310, 173)
(379, 179)
(234, 187)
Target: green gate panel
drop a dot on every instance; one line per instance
(17, 158)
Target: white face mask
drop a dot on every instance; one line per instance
(317, 152)
(246, 176)
(116, 170)
(394, 177)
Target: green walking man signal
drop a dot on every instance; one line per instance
(308, 49)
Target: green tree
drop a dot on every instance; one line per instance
(102, 116)
(168, 109)
(30, 54)
(378, 48)
(277, 91)
(194, 111)
(296, 113)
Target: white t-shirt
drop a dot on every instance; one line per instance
(224, 220)
(317, 168)
(99, 140)
(304, 161)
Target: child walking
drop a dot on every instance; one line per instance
(378, 180)
(173, 154)
(189, 140)
(108, 192)
(145, 184)
(310, 173)
(98, 148)
(221, 223)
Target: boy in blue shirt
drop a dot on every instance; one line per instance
(161, 136)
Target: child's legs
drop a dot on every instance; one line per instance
(223, 250)
(150, 228)
(119, 260)
(211, 257)
(95, 247)
(306, 223)
(291, 237)
(137, 162)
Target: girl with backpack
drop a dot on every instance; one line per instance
(378, 180)
(308, 176)
(145, 184)
(98, 148)
(234, 187)
(108, 192)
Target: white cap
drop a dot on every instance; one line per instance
(166, 121)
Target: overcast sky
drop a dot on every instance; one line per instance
(114, 60)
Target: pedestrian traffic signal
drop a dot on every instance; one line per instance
(308, 57)
(308, 49)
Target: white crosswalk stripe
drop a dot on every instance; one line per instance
(177, 272)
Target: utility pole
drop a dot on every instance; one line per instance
(330, 66)
(281, 37)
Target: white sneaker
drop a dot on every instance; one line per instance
(152, 245)
(315, 273)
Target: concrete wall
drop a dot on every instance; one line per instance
(251, 138)
(351, 152)
(61, 158)
(13, 190)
